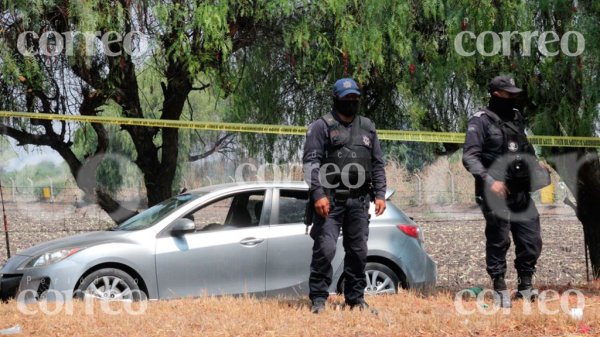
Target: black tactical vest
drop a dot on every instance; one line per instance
(514, 165)
(349, 152)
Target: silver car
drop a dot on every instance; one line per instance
(219, 240)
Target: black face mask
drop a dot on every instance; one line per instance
(346, 108)
(503, 107)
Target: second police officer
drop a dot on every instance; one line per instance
(498, 154)
(344, 167)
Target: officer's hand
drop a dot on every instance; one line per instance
(500, 189)
(322, 207)
(379, 206)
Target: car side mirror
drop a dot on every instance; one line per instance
(182, 226)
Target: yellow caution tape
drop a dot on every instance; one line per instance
(396, 135)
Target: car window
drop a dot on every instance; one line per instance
(212, 215)
(236, 211)
(254, 207)
(292, 204)
(157, 212)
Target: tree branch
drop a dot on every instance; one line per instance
(220, 145)
(202, 87)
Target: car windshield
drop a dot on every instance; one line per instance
(155, 213)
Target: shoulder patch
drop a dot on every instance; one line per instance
(479, 113)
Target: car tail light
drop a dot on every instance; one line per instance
(410, 230)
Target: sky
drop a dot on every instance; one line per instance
(34, 156)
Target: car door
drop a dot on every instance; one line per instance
(225, 255)
(289, 247)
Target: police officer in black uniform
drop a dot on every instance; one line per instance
(344, 167)
(498, 154)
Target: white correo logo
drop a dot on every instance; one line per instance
(513, 147)
(347, 84)
(512, 81)
(52, 43)
(548, 43)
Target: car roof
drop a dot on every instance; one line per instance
(251, 184)
(301, 185)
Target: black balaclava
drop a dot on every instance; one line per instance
(346, 108)
(503, 107)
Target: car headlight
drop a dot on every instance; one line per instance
(50, 257)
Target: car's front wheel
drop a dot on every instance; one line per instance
(109, 284)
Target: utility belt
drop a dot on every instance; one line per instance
(343, 193)
(340, 195)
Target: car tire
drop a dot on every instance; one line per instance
(109, 284)
(378, 275)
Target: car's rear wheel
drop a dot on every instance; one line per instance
(109, 284)
(381, 280)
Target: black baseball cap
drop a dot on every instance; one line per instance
(504, 83)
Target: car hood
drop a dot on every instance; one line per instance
(82, 240)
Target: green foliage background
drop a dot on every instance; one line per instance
(281, 71)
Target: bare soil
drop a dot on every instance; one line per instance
(454, 238)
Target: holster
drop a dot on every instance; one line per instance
(309, 213)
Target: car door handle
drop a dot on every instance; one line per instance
(251, 241)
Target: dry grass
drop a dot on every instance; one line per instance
(405, 314)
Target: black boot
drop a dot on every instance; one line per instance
(362, 305)
(525, 288)
(318, 305)
(501, 293)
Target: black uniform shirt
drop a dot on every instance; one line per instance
(484, 144)
(317, 141)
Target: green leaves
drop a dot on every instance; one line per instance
(273, 61)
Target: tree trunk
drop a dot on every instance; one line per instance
(84, 174)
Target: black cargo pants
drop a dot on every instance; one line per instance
(519, 216)
(351, 216)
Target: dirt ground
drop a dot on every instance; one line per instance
(454, 237)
